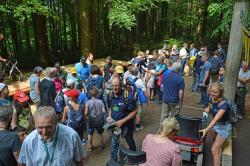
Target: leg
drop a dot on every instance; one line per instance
(165, 111)
(90, 138)
(194, 82)
(217, 149)
(240, 99)
(130, 140)
(114, 148)
(196, 86)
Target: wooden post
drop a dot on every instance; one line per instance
(234, 50)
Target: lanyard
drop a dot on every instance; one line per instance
(51, 156)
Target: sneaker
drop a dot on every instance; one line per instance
(84, 141)
(138, 127)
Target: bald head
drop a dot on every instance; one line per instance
(116, 85)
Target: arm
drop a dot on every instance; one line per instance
(243, 80)
(16, 154)
(65, 111)
(181, 95)
(206, 77)
(86, 112)
(131, 115)
(37, 88)
(217, 117)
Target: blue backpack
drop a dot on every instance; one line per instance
(233, 115)
(141, 95)
(94, 82)
(60, 102)
(215, 62)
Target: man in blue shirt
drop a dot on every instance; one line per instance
(204, 80)
(122, 108)
(196, 75)
(51, 143)
(83, 69)
(173, 92)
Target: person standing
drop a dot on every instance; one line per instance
(243, 80)
(90, 58)
(122, 108)
(35, 85)
(10, 143)
(108, 69)
(183, 55)
(196, 74)
(51, 143)
(83, 69)
(204, 80)
(48, 89)
(173, 92)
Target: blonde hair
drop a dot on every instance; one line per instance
(169, 125)
(219, 86)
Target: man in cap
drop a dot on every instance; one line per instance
(48, 90)
(10, 143)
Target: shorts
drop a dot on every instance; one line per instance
(223, 130)
(99, 130)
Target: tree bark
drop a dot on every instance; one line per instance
(27, 34)
(84, 25)
(201, 29)
(234, 50)
(43, 48)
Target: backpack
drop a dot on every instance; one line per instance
(60, 102)
(141, 95)
(94, 82)
(75, 118)
(234, 111)
(215, 65)
(95, 117)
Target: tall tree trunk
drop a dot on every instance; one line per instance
(201, 29)
(84, 25)
(27, 34)
(14, 34)
(43, 48)
(65, 45)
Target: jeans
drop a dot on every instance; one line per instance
(240, 99)
(195, 84)
(204, 96)
(129, 139)
(183, 63)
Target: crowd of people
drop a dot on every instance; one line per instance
(74, 102)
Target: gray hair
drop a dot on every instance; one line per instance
(46, 112)
(161, 59)
(134, 71)
(169, 125)
(5, 113)
(176, 66)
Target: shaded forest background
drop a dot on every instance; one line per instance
(45, 31)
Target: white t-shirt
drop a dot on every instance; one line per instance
(243, 74)
(151, 81)
(183, 53)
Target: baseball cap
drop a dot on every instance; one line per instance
(70, 82)
(2, 86)
(119, 69)
(20, 96)
(38, 69)
(72, 93)
(73, 70)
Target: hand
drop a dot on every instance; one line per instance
(120, 123)
(204, 133)
(4, 60)
(109, 119)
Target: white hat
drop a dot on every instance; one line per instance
(70, 82)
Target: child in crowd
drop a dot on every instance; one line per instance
(150, 82)
(94, 112)
(73, 114)
(24, 114)
(221, 74)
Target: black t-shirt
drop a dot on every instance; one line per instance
(9, 143)
(107, 73)
(218, 106)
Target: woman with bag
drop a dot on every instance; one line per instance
(220, 127)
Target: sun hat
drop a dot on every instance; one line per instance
(72, 93)
(70, 82)
(119, 69)
(73, 70)
(21, 97)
